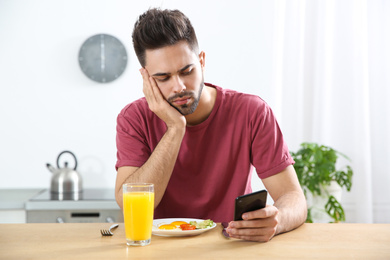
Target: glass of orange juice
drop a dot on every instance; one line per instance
(138, 208)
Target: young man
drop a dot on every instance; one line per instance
(197, 142)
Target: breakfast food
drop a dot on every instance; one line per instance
(202, 224)
(184, 226)
(167, 227)
(178, 223)
(187, 227)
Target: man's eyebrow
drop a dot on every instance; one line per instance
(161, 74)
(185, 67)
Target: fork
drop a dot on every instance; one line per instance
(108, 232)
(224, 233)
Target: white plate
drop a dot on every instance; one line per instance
(177, 233)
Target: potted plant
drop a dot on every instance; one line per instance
(316, 169)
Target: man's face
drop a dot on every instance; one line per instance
(178, 72)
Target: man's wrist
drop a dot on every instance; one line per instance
(176, 130)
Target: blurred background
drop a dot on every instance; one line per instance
(321, 65)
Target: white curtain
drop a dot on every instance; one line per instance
(332, 86)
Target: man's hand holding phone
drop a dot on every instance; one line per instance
(158, 104)
(253, 220)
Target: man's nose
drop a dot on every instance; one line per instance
(178, 84)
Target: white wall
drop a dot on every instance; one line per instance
(47, 105)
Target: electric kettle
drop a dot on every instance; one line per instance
(65, 180)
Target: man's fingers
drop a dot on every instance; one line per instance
(147, 88)
(266, 231)
(257, 223)
(266, 212)
(263, 234)
(156, 91)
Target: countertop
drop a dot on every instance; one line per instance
(18, 199)
(83, 241)
(15, 199)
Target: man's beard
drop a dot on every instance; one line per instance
(187, 109)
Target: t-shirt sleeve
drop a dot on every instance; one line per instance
(132, 148)
(269, 151)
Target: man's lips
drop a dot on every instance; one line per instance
(181, 101)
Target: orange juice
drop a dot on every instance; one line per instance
(138, 210)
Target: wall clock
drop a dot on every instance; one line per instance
(102, 58)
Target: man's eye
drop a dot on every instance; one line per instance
(187, 72)
(162, 79)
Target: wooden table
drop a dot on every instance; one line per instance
(83, 241)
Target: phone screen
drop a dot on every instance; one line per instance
(249, 202)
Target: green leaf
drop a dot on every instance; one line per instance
(334, 209)
(309, 218)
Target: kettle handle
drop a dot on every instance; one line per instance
(75, 160)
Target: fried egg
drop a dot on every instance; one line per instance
(167, 227)
(178, 223)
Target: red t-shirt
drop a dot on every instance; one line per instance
(216, 156)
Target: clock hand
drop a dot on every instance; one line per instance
(102, 54)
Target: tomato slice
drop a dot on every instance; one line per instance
(187, 227)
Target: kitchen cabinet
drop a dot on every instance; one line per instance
(12, 204)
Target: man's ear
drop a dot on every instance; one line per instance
(202, 57)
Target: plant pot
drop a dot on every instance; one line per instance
(317, 203)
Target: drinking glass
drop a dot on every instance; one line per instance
(138, 208)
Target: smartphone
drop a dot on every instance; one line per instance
(249, 202)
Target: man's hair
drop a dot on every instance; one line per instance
(158, 28)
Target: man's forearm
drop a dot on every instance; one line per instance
(292, 211)
(158, 168)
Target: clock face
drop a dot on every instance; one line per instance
(103, 58)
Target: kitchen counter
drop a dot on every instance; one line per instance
(38, 206)
(83, 241)
(16, 198)
(13, 203)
